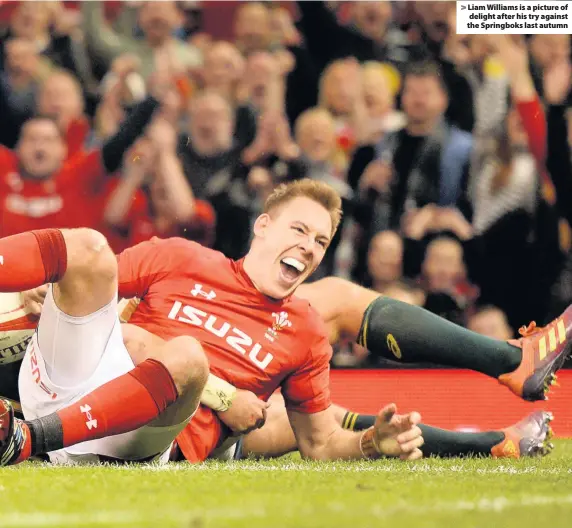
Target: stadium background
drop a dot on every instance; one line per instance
(314, 89)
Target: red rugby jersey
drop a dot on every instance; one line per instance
(251, 341)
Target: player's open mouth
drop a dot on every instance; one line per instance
(291, 268)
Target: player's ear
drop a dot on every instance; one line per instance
(260, 225)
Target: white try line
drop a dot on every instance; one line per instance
(295, 467)
(122, 518)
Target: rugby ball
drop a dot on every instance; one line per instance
(17, 326)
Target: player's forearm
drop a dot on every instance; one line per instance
(340, 444)
(522, 86)
(105, 43)
(179, 191)
(115, 147)
(117, 208)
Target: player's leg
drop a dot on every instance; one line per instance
(78, 329)
(405, 333)
(184, 357)
(526, 438)
(117, 410)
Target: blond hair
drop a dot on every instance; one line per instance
(384, 73)
(318, 191)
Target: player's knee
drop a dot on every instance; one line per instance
(187, 363)
(335, 286)
(89, 254)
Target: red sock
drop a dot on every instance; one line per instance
(121, 405)
(31, 259)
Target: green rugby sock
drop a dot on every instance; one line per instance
(438, 442)
(402, 332)
(445, 444)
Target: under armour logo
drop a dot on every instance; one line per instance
(198, 290)
(91, 421)
(1, 260)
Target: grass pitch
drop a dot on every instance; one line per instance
(292, 493)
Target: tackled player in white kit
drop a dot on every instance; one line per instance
(78, 348)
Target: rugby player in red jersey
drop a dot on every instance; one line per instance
(241, 411)
(79, 385)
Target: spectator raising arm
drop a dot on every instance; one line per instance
(110, 112)
(169, 169)
(104, 42)
(138, 163)
(157, 20)
(514, 57)
(115, 147)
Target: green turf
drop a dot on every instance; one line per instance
(288, 492)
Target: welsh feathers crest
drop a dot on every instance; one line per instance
(281, 321)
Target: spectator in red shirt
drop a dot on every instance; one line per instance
(168, 209)
(39, 188)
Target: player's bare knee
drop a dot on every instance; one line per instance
(90, 280)
(89, 255)
(334, 284)
(187, 363)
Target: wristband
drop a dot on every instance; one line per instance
(126, 308)
(218, 394)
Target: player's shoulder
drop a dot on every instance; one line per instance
(314, 322)
(183, 248)
(171, 251)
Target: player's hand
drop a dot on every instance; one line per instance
(397, 435)
(259, 179)
(512, 52)
(163, 135)
(33, 299)
(377, 176)
(139, 160)
(451, 219)
(126, 64)
(66, 21)
(284, 146)
(283, 27)
(418, 222)
(456, 48)
(262, 145)
(246, 413)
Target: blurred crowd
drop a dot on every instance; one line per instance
(451, 152)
